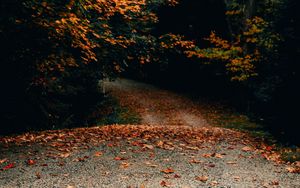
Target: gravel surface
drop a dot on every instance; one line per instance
(200, 157)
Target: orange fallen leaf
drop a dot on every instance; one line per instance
(3, 161)
(64, 155)
(159, 143)
(202, 178)
(31, 162)
(195, 161)
(119, 158)
(207, 155)
(295, 170)
(124, 165)
(217, 155)
(136, 143)
(110, 144)
(98, 154)
(168, 171)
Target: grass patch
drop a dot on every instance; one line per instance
(222, 117)
(111, 112)
(243, 123)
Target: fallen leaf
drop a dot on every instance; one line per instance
(177, 176)
(230, 148)
(165, 184)
(119, 158)
(9, 166)
(98, 154)
(151, 155)
(192, 148)
(136, 143)
(31, 162)
(269, 148)
(247, 148)
(159, 143)
(266, 185)
(79, 159)
(231, 162)
(213, 183)
(3, 161)
(150, 164)
(124, 165)
(147, 146)
(110, 144)
(195, 161)
(202, 178)
(168, 171)
(217, 155)
(38, 175)
(275, 182)
(207, 155)
(64, 155)
(295, 170)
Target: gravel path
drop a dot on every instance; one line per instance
(173, 147)
(155, 105)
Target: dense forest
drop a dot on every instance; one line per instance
(54, 53)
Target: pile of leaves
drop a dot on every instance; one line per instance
(64, 143)
(82, 137)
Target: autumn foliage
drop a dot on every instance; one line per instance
(55, 52)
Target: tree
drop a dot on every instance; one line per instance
(55, 52)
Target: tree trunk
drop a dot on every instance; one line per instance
(250, 7)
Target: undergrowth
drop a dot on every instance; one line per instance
(111, 112)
